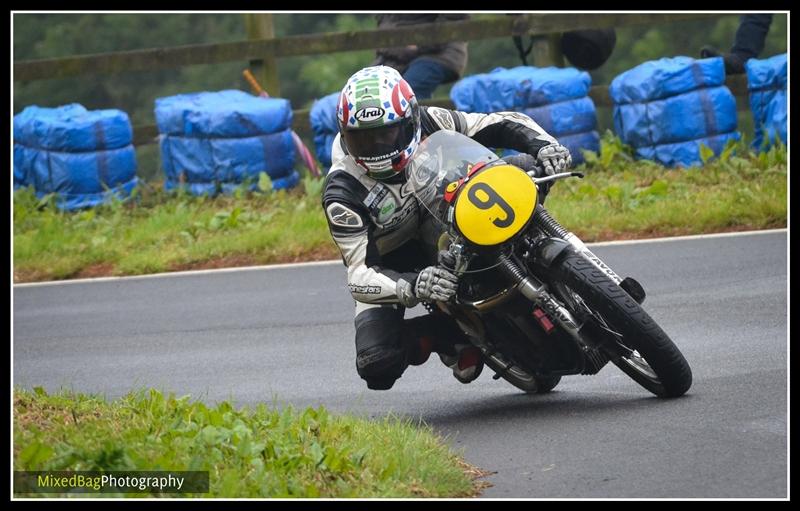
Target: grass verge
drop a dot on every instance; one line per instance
(619, 198)
(259, 452)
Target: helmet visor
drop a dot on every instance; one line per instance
(380, 143)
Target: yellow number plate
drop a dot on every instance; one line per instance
(494, 204)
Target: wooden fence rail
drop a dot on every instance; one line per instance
(313, 44)
(269, 49)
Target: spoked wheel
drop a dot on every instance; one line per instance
(640, 348)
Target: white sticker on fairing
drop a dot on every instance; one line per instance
(343, 216)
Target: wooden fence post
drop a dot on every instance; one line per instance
(547, 51)
(259, 26)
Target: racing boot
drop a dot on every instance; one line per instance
(466, 363)
(441, 335)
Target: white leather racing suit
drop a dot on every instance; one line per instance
(369, 218)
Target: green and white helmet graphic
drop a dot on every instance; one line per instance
(379, 120)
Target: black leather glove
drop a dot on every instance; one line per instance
(526, 162)
(529, 164)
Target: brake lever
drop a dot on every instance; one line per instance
(553, 177)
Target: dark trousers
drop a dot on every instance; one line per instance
(750, 36)
(424, 75)
(386, 344)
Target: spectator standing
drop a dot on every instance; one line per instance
(424, 67)
(747, 44)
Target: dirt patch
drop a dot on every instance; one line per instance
(29, 413)
(94, 271)
(27, 275)
(322, 253)
(231, 261)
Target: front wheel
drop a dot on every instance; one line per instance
(641, 348)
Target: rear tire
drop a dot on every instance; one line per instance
(547, 383)
(660, 367)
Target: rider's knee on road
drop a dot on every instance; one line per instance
(381, 355)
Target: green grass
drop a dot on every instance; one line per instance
(165, 232)
(622, 198)
(258, 452)
(619, 198)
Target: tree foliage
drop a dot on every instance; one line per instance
(303, 79)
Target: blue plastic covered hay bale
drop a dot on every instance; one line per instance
(72, 128)
(689, 116)
(324, 147)
(587, 141)
(212, 141)
(766, 81)
(518, 88)
(227, 160)
(83, 156)
(685, 154)
(665, 108)
(210, 189)
(565, 117)
(227, 113)
(22, 158)
(556, 98)
(81, 173)
(658, 79)
(324, 125)
(69, 202)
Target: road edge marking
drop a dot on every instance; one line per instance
(190, 273)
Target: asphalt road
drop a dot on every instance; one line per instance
(286, 336)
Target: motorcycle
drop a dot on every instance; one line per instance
(535, 300)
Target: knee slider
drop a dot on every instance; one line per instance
(380, 366)
(380, 383)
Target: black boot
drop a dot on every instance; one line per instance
(734, 64)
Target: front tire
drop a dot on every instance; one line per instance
(651, 359)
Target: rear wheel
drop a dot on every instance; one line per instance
(638, 346)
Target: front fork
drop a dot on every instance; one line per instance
(549, 226)
(529, 286)
(534, 290)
